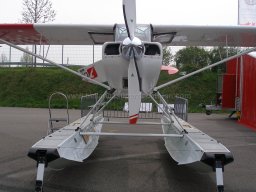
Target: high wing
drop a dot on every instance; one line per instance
(173, 35)
(192, 35)
(56, 34)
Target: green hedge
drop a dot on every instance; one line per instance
(31, 87)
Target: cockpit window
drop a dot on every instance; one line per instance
(143, 32)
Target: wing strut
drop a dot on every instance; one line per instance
(203, 69)
(55, 64)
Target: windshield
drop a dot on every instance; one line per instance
(143, 32)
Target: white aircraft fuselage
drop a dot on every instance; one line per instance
(113, 68)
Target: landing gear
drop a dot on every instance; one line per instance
(217, 162)
(219, 168)
(41, 164)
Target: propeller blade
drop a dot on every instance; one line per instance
(134, 93)
(129, 11)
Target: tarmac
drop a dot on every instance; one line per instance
(124, 163)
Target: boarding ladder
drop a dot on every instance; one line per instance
(54, 120)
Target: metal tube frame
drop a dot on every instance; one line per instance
(182, 130)
(104, 106)
(157, 104)
(126, 123)
(132, 134)
(101, 99)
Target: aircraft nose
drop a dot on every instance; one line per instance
(132, 48)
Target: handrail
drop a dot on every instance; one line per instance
(50, 109)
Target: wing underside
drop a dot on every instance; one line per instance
(180, 35)
(55, 34)
(190, 35)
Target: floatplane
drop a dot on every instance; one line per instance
(131, 62)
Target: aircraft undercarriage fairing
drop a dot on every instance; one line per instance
(78, 140)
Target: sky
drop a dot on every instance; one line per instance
(191, 12)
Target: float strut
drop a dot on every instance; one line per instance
(41, 164)
(219, 168)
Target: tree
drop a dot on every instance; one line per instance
(219, 53)
(191, 58)
(167, 56)
(26, 58)
(37, 11)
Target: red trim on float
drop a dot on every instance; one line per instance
(22, 34)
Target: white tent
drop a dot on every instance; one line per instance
(160, 107)
(247, 12)
(144, 107)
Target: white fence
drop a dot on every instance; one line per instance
(67, 55)
(118, 108)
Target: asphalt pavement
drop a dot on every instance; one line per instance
(124, 163)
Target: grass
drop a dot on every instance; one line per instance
(31, 87)
(197, 89)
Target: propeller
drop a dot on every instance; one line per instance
(134, 93)
(129, 11)
(132, 49)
